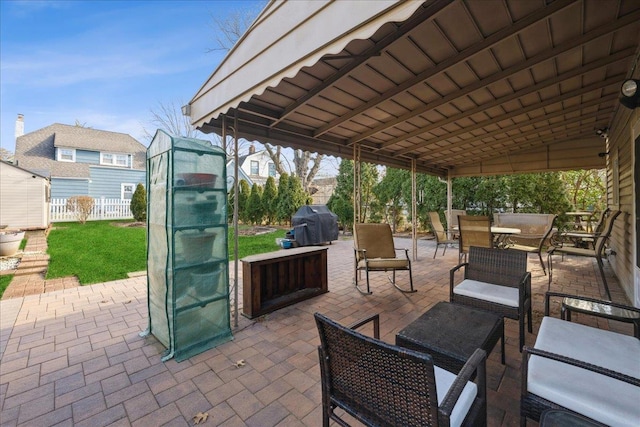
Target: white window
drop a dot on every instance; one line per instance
(254, 167)
(126, 192)
(106, 159)
(272, 170)
(66, 155)
(114, 159)
(122, 160)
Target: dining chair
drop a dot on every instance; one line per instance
(535, 244)
(597, 252)
(474, 231)
(583, 238)
(439, 233)
(452, 222)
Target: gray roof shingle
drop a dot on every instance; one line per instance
(36, 150)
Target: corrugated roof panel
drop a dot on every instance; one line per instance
(452, 75)
(458, 26)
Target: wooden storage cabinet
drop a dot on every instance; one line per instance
(277, 279)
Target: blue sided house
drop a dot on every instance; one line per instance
(83, 161)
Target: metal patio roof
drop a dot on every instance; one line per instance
(470, 87)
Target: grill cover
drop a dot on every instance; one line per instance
(314, 224)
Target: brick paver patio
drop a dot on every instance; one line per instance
(75, 357)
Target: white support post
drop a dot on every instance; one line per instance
(414, 210)
(235, 220)
(449, 204)
(357, 194)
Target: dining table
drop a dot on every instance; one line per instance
(500, 235)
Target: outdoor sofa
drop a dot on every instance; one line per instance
(582, 369)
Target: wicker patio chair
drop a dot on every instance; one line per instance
(474, 231)
(536, 243)
(597, 252)
(375, 251)
(496, 280)
(381, 384)
(439, 233)
(582, 369)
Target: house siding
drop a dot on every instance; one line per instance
(263, 160)
(623, 237)
(106, 182)
(91, 157)
(62, 188)
(24, 199)
(83, 156)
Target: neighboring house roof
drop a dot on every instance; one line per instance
(242, 159)
(35, 150)
(241, 174)
(23, 169)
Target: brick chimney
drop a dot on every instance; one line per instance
(252, 149)
(19, 125)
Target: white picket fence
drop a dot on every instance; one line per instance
(103, 209)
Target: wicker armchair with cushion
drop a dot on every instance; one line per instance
(582, 369)
(375, 251)
(382, 384)
(496, 280)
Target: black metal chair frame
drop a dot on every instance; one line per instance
(374, 381)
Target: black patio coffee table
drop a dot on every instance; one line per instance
(450, 333)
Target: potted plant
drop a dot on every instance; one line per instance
(10, 241)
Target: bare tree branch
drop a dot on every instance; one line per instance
(6, 155)
(228, 30)
(276, 157)
(168, 116)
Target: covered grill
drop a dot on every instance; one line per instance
(314, 224)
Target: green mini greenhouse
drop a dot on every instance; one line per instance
(187, 251)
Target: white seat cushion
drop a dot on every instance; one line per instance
(504, 295)
(599, 397)
(444, 379)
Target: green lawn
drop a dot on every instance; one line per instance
(99, 251)
(4, 282)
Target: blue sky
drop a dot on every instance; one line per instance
(104, 64)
